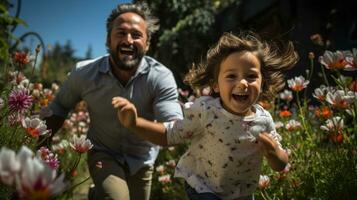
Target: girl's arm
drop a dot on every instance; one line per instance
(148, 130)
(276, 156)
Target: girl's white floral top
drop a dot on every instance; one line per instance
(223, 156)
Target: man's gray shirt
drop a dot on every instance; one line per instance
(152, 90)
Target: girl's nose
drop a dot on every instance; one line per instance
(242, 85)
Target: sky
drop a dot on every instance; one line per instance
(82, 22)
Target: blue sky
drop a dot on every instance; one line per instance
(80, 21)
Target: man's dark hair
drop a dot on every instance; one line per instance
(141, 9)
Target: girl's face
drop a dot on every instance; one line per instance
(239, 82)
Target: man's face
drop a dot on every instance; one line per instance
(128, 41)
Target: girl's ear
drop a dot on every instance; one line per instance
(215, 88)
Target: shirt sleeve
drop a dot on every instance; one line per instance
(67, 97)
(190, 127)
(166, 105)
(272, 131)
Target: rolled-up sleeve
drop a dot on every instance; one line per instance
(166, 105)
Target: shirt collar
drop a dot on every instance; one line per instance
(143, 66)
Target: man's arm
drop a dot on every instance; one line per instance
(148, 130)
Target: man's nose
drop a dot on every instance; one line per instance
(128, 39)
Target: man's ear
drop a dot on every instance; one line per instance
(147, 46)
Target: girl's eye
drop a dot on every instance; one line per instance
(252, 76)
(231, 76)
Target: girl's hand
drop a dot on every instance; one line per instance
(276, 156)
(126, 113)
(267, 144)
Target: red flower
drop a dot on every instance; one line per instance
(285, 113)
(21, 58)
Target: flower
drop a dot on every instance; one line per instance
(48, 157)
(80, 144)
(165, 178)
(333, 60)
(38, 181)
(292, 125)
(264, 181)
(338, 99)
(334, 125)
(171, 163)
(21, 58)
(60, 147)
(19, 100)
(320, 93)
(9, 166)
(324, 112)
(286, 95)
(160, 169)
(285, 113)
(34, 126)
(351, 60)
(298, 83)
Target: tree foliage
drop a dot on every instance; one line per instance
(187, 29)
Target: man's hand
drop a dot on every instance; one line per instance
(126, 113)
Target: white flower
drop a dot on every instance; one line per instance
(335, 124)
(35, 126)
(264, 181)
(80, 144)
(37, 179)
(292, 125)
(338, 99)
(160, 169)
(298, 83)
(9, 166)
(286, 95)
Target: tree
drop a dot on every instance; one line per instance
(187, 29)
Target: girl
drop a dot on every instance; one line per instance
(229, 133)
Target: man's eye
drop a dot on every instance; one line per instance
(136, 35)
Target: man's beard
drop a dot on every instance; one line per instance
(126, 63)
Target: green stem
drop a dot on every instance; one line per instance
(324, 75)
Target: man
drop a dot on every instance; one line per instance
(126, 160)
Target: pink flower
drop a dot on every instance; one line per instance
(48, 157)
(165, 179)
(19, 100)
(80, 144)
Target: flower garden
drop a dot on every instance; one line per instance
(318, 128)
